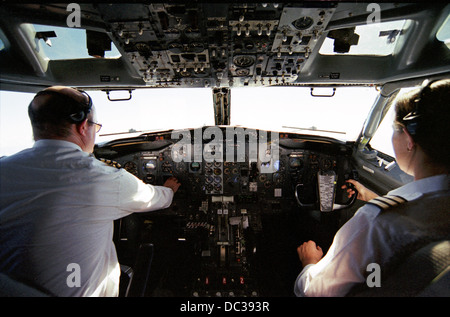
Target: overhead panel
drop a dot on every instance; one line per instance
(229, 45)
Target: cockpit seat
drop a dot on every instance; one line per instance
(424, 268)
(136, 278)
(424, 273)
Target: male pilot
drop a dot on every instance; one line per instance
(58, 202)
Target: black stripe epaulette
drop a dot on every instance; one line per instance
(387, 201)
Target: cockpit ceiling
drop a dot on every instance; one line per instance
(221, 45)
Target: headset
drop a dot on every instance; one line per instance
(77, 112)
(412, 119)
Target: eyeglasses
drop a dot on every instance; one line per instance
(98, 126)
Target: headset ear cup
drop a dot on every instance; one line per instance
(412, 127)
(78, 117)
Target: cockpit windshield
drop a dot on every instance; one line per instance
(292, 109)
(284, 109)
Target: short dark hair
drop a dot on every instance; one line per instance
(52, 113)
(425, 113)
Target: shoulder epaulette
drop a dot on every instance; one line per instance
(387, 201)
(111, 163)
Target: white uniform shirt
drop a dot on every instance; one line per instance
(359, 243)
(57, 206)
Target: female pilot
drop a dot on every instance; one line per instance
(420, 141)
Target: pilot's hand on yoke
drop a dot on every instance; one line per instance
(364, 194)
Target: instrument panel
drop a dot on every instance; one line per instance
(227, 189)
(231, 178)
